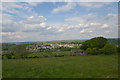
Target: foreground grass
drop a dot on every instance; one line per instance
(100, 66)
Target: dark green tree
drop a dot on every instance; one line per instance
(118, 49)
(93, 51)
(85, 45)
(97, 42)
(109, 49)
(8, 56)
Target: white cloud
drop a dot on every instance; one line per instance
(7, 33)
(35, 25)
(33, 3)
(112, 15)
(95, 24)
(87, 31)
(81, 19)
(105, 26)
(107, 31)
(49, 28)
(43, 24)
(92, 4)
(71, 5)
(6, 18)
(82, 31)
(19, 9)
(14, 7)
(34, 20)
(80, 24)
(63, 8)
(8, 24)
(10, 7)
(12, 35)
(31, 23)
(40, 16)
(30, 26)
(70, 26)
(31, 17)
(15, 37)
(90, 31)
(59, 1)
(75, 20)
(60, 30)
(87, 26)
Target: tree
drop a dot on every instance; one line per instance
(97, 42)
(93, 51)
(8, 56)
(20, 51)
(109, 49)
(118, 49)
(85, 45)
(88, 51)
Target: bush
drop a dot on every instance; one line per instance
(97, 42)
(8, 56)
(88, 50)
(46, 54)
(59, 55)
(118, 49)
(20, 51)
(109, 49)
(93, 51)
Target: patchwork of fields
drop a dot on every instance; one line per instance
(89, 66)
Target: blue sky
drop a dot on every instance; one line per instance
(44, 21)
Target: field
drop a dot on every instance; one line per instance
(51, 54)
(89, 66)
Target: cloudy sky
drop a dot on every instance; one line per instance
(46, 21)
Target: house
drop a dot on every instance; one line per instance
(78, 52)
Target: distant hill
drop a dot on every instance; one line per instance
(55, 41)
(67, 41)
(110, 40)
(113, 40)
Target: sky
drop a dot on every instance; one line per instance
(47, 21)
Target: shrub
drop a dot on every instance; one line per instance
(118, 49)
(8, 56)
(109, 49)
(88, 50)
(59, 55)
(46, 54)
(93, 51)
(97, 42)
(20, 51)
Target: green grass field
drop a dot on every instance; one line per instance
(94, 66)
(50, 53)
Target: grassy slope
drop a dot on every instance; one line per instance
(101, 66)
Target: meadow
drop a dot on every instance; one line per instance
(89, 66)
(51, 54)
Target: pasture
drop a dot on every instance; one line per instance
(89, 66)
(51, 54)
